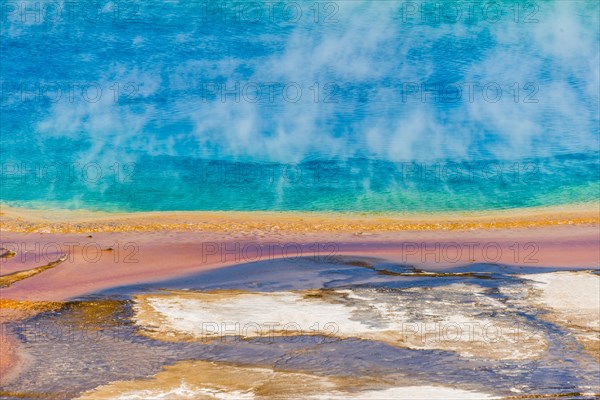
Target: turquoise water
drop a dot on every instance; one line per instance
(340, 106)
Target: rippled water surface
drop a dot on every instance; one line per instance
(341, 105)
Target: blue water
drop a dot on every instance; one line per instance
(342, 106)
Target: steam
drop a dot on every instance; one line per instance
(368, 55)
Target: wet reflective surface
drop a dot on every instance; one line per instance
(480, 328)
